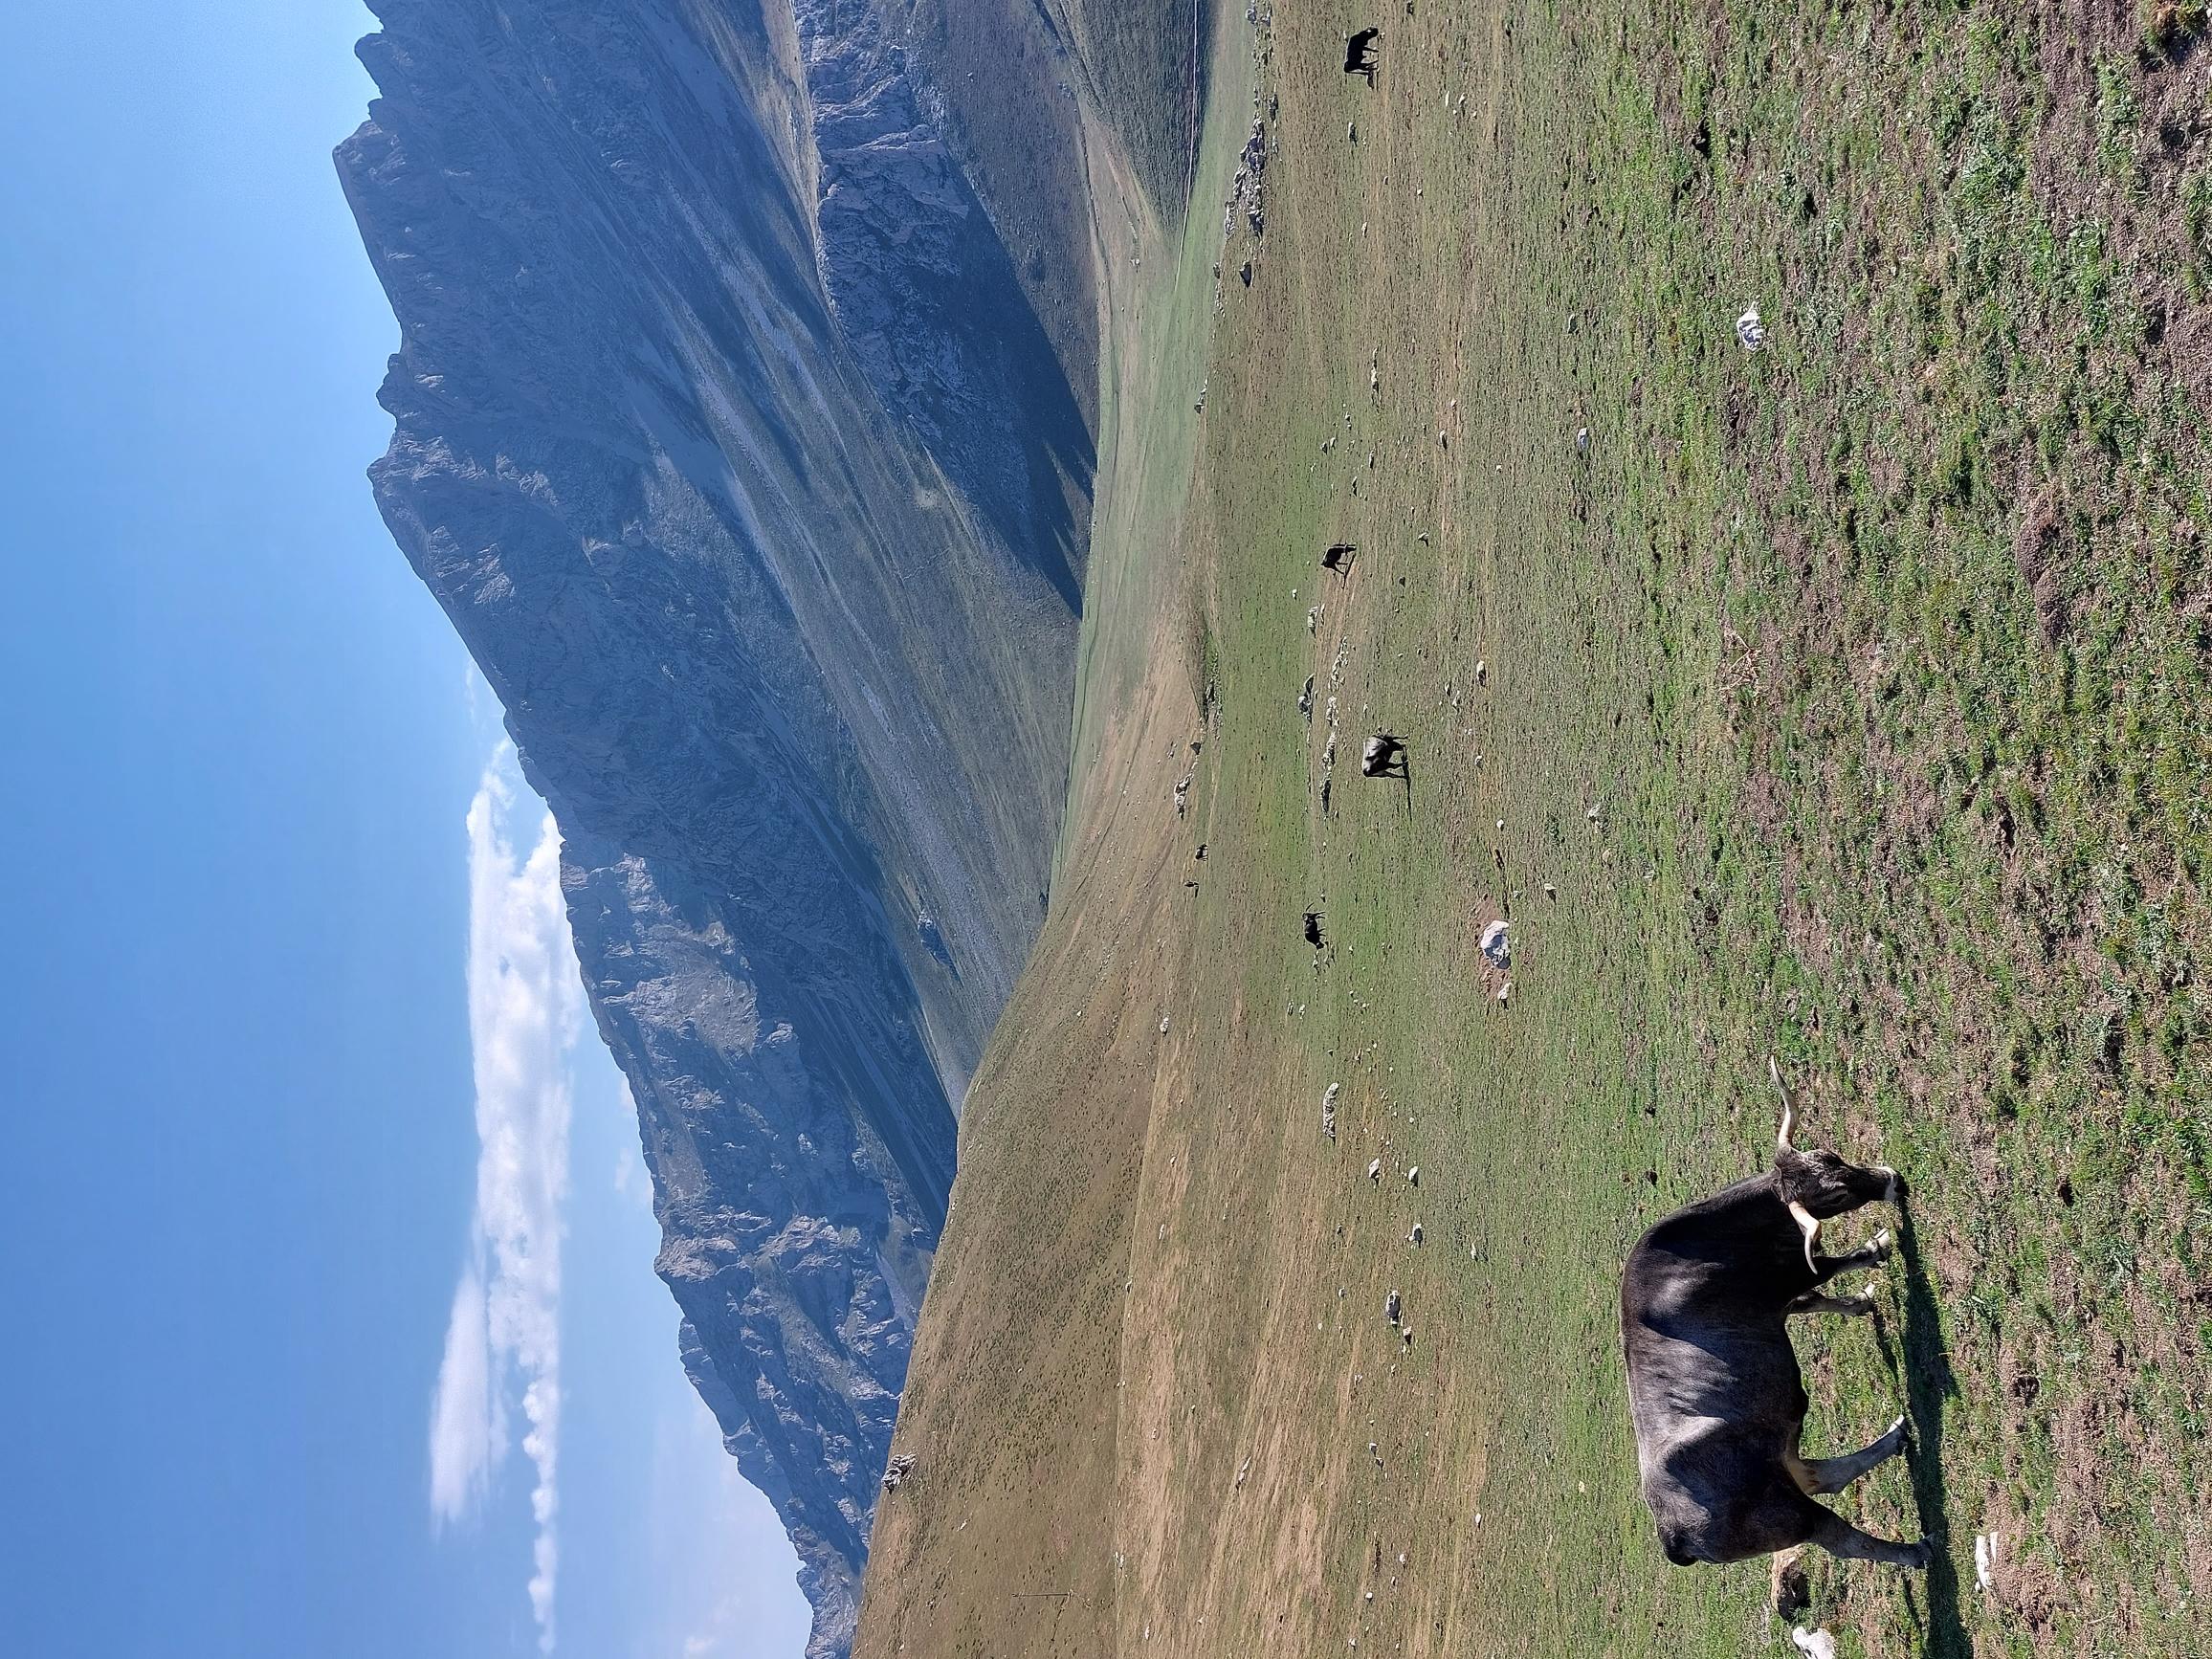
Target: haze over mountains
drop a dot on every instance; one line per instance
(729, 434)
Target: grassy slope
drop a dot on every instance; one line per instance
(1882, 653)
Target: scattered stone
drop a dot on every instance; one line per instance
(1375, 1172)
(1750, 330)
(900, 1468)
(1505, 992)
(1496, 948)
(1163, 1024)
(1329, 1111)
(1414, 1237)
(1413, 1175)
(1817, 1644)
(1245, 190)
(1391, 1306)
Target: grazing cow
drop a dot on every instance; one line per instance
(1359, 54)
(1338, 556)
(1712, 1381)
(1383, 757)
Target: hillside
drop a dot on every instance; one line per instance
(1844, 700)
(749, 455)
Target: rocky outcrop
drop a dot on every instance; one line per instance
(726, 434)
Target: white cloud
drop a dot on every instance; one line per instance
(526, 1007)
(466, 1433)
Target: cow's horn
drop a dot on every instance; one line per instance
(1788, 1107)
(1809, 1225)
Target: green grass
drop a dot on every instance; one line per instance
(1883, 654)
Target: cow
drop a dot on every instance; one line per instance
(1714, 1387)
(1383, 757)
(1359, 54)
(1338, 556)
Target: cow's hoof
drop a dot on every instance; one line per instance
(1867, 1301)
(1922, 1554)
(1880, 1245)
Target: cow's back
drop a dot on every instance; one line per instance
(1714, 1387)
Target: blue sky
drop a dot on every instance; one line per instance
(239, 1164)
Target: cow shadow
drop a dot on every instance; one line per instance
(1922, 1362)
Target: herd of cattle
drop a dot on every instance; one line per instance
(1714, 1386)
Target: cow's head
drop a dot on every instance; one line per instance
(1825, 1184)
(1818, 1181)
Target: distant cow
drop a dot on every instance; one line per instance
(1338, 556)
(1712, 1380)
(1383, 757)
(1359, 54)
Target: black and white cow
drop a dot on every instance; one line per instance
(1713, 1380)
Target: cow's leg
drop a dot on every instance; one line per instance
(1839, 1538)
(1814, 1302)
(1875, 1250)
(1831, 1475)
